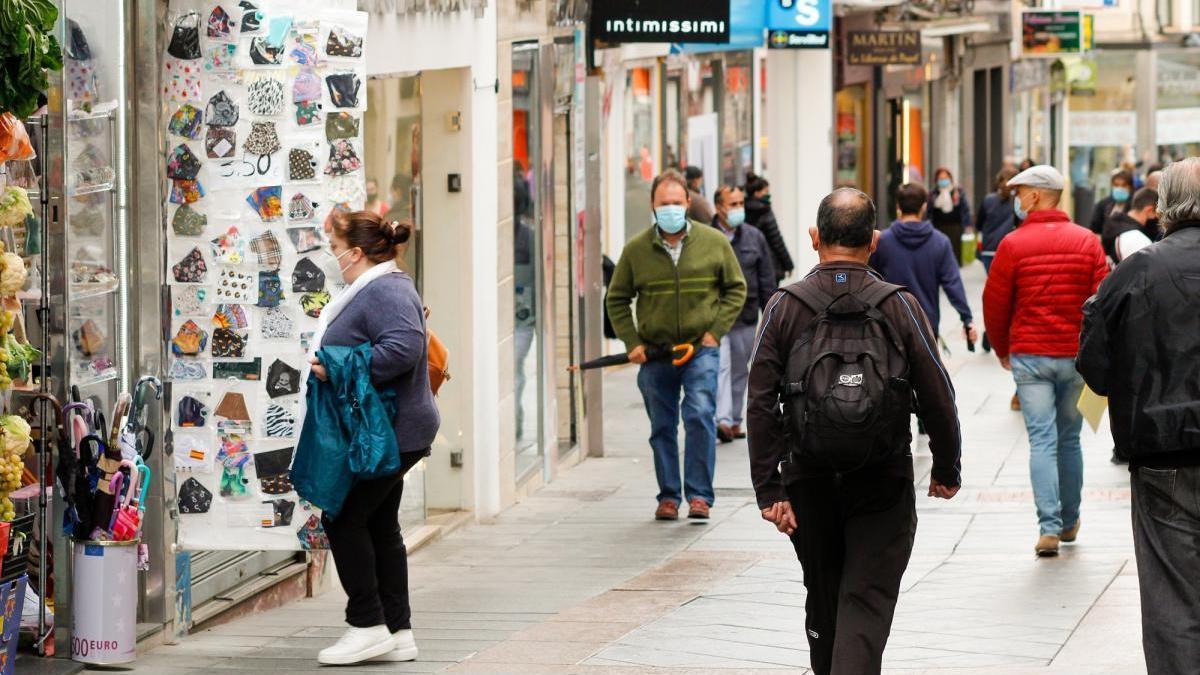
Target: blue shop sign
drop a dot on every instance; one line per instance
(747, 20)
(799, 24)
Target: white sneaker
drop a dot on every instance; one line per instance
(357, 645)
(405, 650)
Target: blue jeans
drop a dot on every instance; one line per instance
(1049, 390)
(660, 383)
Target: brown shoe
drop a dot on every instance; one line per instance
(698, 508)
(1016, 402)
(724, 433)
(1069, 534)
(1047, 546)
(667, 510)
(737, 431)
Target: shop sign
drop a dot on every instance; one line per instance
(617, 21)
(798, 24)
(1175, 126)
(1054, 33)
(1102, 128)
(883, 48)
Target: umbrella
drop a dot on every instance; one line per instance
(679, 355)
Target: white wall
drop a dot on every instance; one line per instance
(401, 44)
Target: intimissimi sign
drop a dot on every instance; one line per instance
(617, 21)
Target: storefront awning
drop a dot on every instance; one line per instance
(747, 26)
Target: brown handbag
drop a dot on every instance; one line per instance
(439, 359)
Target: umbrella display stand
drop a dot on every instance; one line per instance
(105, 597)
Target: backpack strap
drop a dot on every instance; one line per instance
(814, 298)
(874, 294)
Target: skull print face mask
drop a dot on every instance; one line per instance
(182, 164)
(185, 41)
(282, 380)
(188, 222)
(343, 89)
(221, 111)
(267, 202)
(185, 121)
(307, 277)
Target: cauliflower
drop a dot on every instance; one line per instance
(17, 434)
(14, 206)
(12, 278)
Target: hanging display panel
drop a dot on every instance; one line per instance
(263, 104)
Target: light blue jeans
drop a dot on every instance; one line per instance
(661, 384)
(1049, 390)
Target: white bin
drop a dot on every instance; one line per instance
(104, 595)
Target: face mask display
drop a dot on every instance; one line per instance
(343, 89)
(735, 217)
(220, 142)
(270, 289)
(185, 121)
(943, 183)
(266, 247)
(187, 222)
(671, 218)
(221, 111)
(182, 164)
(185, 40)
(342, 159)
(1120, 193)
(266, 202)
(263, 139)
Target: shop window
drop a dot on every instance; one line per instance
(641, 162)
(853, 138)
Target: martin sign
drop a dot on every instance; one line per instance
(617, 21)
(798, 24)
(883, 48)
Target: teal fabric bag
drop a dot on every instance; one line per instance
(347, 434)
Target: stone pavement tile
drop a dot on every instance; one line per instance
(626, 606)
(667, 657)
(536, 652)
(703, 643)
(576, 631)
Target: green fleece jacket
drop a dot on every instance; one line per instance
(676, 303)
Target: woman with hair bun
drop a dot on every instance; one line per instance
(380, 305)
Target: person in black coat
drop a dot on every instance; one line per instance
(760, 215)
(949, 209)
(1117, 201)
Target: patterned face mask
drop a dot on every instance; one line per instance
(305, 239)
(234, 287)
(77, 44)
(270, 289)
(307, 86)
(188, 222)
(282, 510)
(220, 142)
(346, 191)
(185, 40)
(282, 380)
(218, 24)
(304, 50)
(194, 497)
(280, 421)
(186, 191)
(251, 370)
(268, 250)
(192, 413)
(272, 468)
(278, 324)
(267, 202)
(263, 53)
(263, 138)
(181, 82)
(182, 164)
(307, 277)
(221, 111)
(230, 316)
(265, 97)
(308, 113)
(185, 122)
(301, 209)
(342, 42)
(230, 247)
(341, 125)
(343, 89)
(182, 369)
(189, 300)
(218, 61)
(313, 303)
(190, 340)
(301, 165)
(342, 159)
(251, 17)
(228, 344)
(192, 269)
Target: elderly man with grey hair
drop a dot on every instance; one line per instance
(1141, 338)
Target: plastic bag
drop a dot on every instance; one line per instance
(14, 140)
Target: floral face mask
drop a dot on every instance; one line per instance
(313, 303)
(218, 61)
(343, 89)
(308, 113)
(182, 164)
(186, 191)
(229, 248)
(221, 111)
(219, 24)
(185, 40)
(265, 97)
(192, 269)
(342, 42)
(342, 159)
(268, 250)
(185, 121)
(301, 165)
(341, 125)
(188, 300)
(267, 202)
(263, 138)
(190, 340)
(220, 142)
(187, 222)
(346, 191)
(181, 83)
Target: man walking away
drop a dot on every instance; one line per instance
(845, 493)
(1032, 307)
(754, 256)
(1126, 233)
(914, 255)
(1136, 333)
(699, 209)
(689, 289)
(996, 218)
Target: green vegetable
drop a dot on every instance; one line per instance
(20, 357)
(28, 49)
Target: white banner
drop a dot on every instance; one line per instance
(1177, 125)
(1102, 128)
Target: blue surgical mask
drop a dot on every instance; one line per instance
(735, 217)
(943, 183)
(1018, 209)
(1120, 194)
(671, 218)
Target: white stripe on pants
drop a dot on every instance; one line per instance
(736, 348)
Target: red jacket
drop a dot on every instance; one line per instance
(1042, 274)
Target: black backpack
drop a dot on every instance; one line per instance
(846, 395)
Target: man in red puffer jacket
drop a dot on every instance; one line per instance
(1032, 306)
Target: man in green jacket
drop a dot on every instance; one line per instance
(688, 289)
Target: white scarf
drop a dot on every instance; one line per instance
(344, 298)
(944, 201)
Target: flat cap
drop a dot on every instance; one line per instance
(1041, 176)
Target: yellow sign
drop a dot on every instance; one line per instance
(1092, 405)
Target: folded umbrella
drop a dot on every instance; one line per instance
(679, 355)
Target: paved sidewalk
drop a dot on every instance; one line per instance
(578, 578)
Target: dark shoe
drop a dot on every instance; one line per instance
(737, 431)
(698, 508)
(987, 344)
(667, 510)
(724, 433)
(1016, 403)
(1069, 534)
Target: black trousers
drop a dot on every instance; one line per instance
(954, 230)
(369, 552)
(1166, 541)
(854, 537)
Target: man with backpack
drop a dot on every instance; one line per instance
(840, 359)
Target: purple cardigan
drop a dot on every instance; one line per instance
(388, 313)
